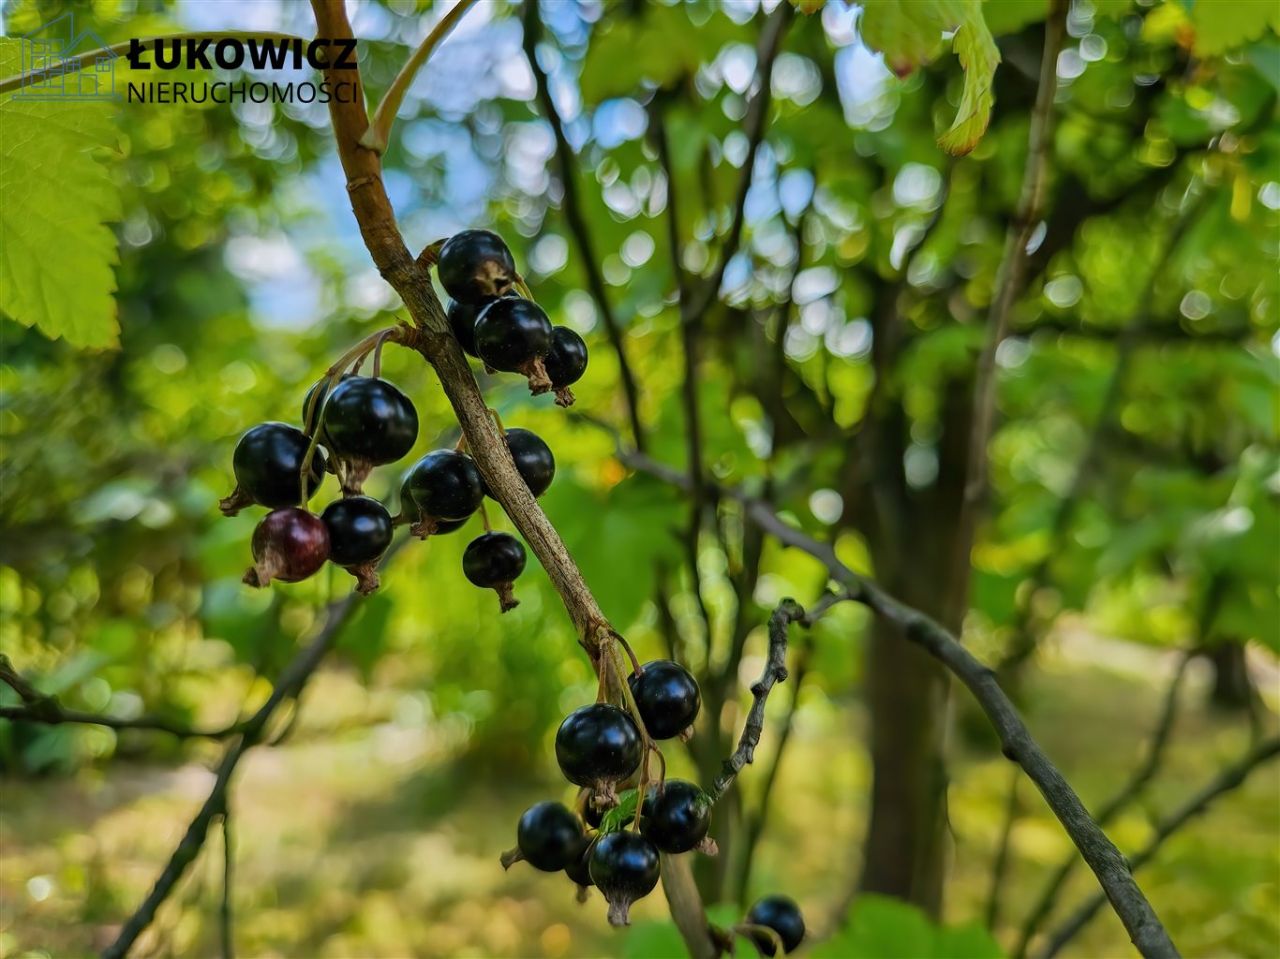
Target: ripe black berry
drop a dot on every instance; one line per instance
(598, 745)
(782, 915)
(443, 485)
(289, 545)
(359, 533)
(409, 513)
(625, 868)
(534, 461)
(268, 468)
(677, 818)
(368, 422)
(579, 866)
(566, 361)
(462, 320)
(513, 335)
(475, 264)
(668, 697)
(548, 837)
(493, 561)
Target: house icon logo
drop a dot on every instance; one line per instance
(56, 64)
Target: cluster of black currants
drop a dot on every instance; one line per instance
(349, 429)
(496, 324)
(600, 748)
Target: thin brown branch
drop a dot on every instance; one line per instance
(576, 218)
(1009, 275)
(39, 708)
(1123, 797)
(292, 680)
(1129, 902)
(1228, 780)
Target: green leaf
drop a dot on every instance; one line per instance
(56, 272)
(621, 814)
(910, 34)
(883, 928)
(1221, 27)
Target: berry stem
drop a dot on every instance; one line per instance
(484, 518)
(618, 667)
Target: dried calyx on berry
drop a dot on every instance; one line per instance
(268, 468)
(597, 746)
(476, 264)
(359, 533)
(513, 335)
(533, 458)
(289, 544)
(548, 838)
(782, 915)
(367, 422)
(676, 817)
(625, 867)
(493, 561)
(444, 486)
(667, 696)
(565, 363)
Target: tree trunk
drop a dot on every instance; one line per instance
(1232, 686)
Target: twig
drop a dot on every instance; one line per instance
(1127, 793)
(1009, 278)
(378, 134)
(775, 671)
(1000, 865)
(573, 213)
(292, 679)
(228, 867)
(1229, 779)
(1144, 927)
(39, 708)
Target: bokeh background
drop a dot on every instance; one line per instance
(373, 827)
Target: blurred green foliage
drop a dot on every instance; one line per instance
(241, 276)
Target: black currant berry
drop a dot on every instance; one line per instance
(409, 514)
(359, 533)
(625, 867)
(668, 697)
(368, 422)
(493, 561)
(782, 915)
(513, 335)
(579, 866)
(443, 485)
(475, 264)
(534, 461)
(547, 838)
(597, 746)
(268, 467)
(676, 819)
(313, 403)
(462, 320)
(566, 361)
(289, 545)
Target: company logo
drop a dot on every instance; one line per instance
(60, 64)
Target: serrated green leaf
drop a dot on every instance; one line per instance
(1220, 27)
(57, 251)
(620, 815)
(910, 34)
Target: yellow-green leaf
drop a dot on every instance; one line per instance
(56, 252)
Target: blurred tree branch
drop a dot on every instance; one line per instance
(1228, 780)
(576, 218)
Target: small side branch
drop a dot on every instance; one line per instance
(38, 708)
(1228, 780)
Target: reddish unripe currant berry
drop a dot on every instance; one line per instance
(289, 545)
(476, 264)
(668, 697)
(782, 915)
(493, 561)
(625, 867)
